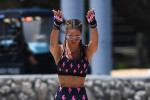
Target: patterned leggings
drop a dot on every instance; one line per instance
(64, 93)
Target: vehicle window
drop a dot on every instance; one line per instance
(37, 32)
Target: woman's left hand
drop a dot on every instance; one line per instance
(91, 15)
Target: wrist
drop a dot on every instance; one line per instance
(92, 21)
(55, 28)
(93, 24)
(57, 23)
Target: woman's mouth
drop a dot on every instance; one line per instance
(73, 43)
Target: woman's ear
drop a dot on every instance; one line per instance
(66, 41)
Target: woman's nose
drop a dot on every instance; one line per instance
(74, 40)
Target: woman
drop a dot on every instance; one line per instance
(72, 58)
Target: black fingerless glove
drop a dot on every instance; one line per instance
(92, 21)
(57, 24)
(93, 24)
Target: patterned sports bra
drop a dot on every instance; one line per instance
(77, 67)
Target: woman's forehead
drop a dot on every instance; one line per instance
(74, 32)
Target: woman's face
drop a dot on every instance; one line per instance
(73, 37)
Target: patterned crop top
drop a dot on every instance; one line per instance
(77, 67)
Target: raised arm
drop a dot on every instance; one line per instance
(93, 44)
(55, 48)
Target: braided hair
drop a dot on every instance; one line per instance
(73, 24)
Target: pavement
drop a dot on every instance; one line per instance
(131, 72)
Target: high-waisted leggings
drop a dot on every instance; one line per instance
(65, 93)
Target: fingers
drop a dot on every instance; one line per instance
(58, 13)
(91, 12)
(61, 15)
(54, 12)
(90, 15)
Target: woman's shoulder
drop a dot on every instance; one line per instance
(84, 46)
(87, 53)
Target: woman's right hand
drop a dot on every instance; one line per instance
(58, 15)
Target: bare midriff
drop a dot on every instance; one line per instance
(71, 81)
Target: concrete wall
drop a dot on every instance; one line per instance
(43, 87)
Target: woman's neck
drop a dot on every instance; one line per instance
(72, 49)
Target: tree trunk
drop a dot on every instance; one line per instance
(143, 49)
